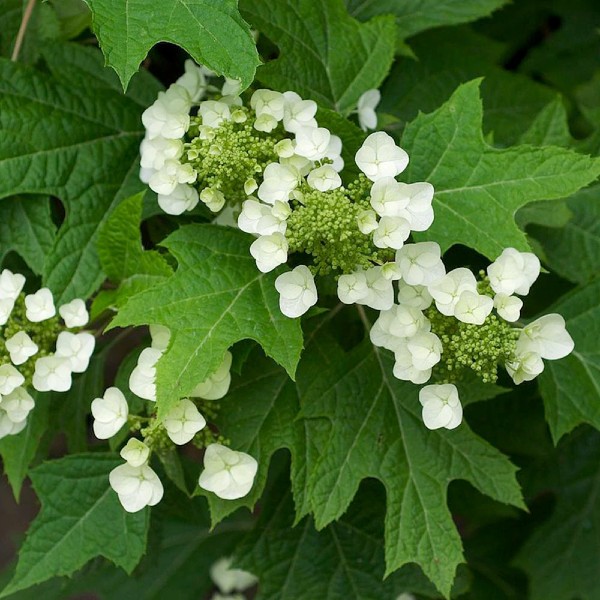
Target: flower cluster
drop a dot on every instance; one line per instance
(272, 162)
(448, 323)
(40, 345)
(227, 473)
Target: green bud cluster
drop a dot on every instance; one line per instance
(155, 436)
(232, 154)
(324, 225)
(479, 348)
(44, 334)
(209, 410)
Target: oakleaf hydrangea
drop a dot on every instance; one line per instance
(41, 350)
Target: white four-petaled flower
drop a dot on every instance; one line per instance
(297, 291)
(137, 487)
(110, 413)
(227, 473)
(441, 406)
(183, 422)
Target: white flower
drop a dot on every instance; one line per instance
(230, 580)
(297, 291)
(11, 285)
(353, 287)
(183, 422)
(324, 179)
(391, 232)
(227, 473)
(164, 181)
(421, 263)
(52, 374)
(298, 113)
(18, 404)
(367, 103)
(110, 413)
(217, 384)
(155, 151)
(135, 453)
(6, 307)
(447, 291)
(405, 369)
(473, 307)
(334, 152)
(391, 271)
(508, 307)
(213, 113)
(161, 336)
(414, 295)
(524, 366)
(231, 87)
(367, 221)
(278, 182)
(183, 197)
(193, 80)
(441, 406)
(20, 347)
(420, 197)
(169, 116)
(265, 122)
(74, 313)
(407, 321)
(301, 165)
(312, 142)
(269, 251)
(513, 272)
(268, 102)
(426, 349)
(258, 218)
(546, 336)
(40, 306)
(8, 426)
(137, 487)
(381, 290)
(77, 348)
(380, 334)
(10, 379)
(142, 381)
(214, 199)
(284, 149)
(388, 199)
(380, 157)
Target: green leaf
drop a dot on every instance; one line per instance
(18, 451)
(561, 557)
(72, 134)
(413, 16)
(122, 255)
(451, 56)
(573, 250)
(26, 227)
(81, 518)
(479, 188)
(344, 560)
(376, 431)
(324, 54)
(182, 547)
(216, 298)
(550, 127)
(213, 33)
(571, 386)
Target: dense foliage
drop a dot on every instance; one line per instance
(300, 298)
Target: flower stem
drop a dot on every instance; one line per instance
(22, 29)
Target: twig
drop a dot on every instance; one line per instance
(22, 29)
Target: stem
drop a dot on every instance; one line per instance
(22, 29)
(363, 317)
